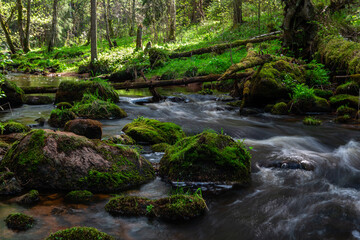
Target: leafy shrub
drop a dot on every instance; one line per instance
(317, 74)
(303, 93)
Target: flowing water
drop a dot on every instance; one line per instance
(281, 203)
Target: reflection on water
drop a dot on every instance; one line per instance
(27, 80)
(280, 204)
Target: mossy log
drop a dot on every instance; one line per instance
(222, 47)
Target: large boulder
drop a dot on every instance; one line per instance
(50, 160)
(13, 94)
(207, 157)
(153, 131)
(85, 127)
(73, 91)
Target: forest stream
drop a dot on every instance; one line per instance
(284, 201)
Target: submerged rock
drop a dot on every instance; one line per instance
(45, 159)
(79, 233)
(207, 157)
(19, 221)
(91, 129)
(153, 131)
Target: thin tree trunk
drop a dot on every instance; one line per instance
(139, 44)
(172, 30)
(20, 21)
(237, 12)
(197, 11)
(111, 30)
(53, 32)
(133, 19)
(6, 32)
(259, 16)
(27, 29)
(93, 31)
(107, 25)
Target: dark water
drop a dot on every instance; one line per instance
(280, 204)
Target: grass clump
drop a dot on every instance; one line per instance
(311, 121)
(79, 196)
(80, 233)
(153, 131)
(19, 221)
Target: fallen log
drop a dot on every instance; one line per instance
(222, 47)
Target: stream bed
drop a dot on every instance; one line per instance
(281, 203)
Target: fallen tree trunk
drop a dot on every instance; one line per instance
(222, 47)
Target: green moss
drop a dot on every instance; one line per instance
(14, 127)
(323, 93)
(59, 117)
(311, 121)
(98, 109)
(128, 206)
(80, 233)
(207, 157)
(343, 119)
(14, 95)
(153, 131)
(280, 109)
(79, 196)
(30, 198)
(64, 105)
(19, 221)
(345, 110)
(158, 57)
(344, 99)
(160, 147)
(121, 139)
(351, 88)
(234, 104)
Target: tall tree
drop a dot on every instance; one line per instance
(20, 21)
(172, 29)
(53, 32)
(6, 31)
(238, 19)
(197, 13)
(27, 28)
(133, 18)
(107, 24)
(93, 32)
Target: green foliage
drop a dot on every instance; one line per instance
(80, 233)
(303, 93)
(79, 196)
(13, 127)
(344, 99)
(317, 74)
(311, 121)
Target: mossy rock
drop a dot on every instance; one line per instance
(71, 91)
(323, 93)
(173, 208)
(9, 185)
(79, 196)
(343, 119)
(160, 147)
(64, 105)
(310, 121)
(344, 99)
(14, 95)
(316, 104)
(79, 233)
(158, 57)
(234, 104)
(351, 88)
(122, 139)
(85, 127)
(29, 198)
(14, 127)
(99, 109)
(50, 160)
(153, 131)
(19, 221)
(59, 117)
(38, 100)
(207, 157)
(280, 109)
(343, 110)
(4, 147)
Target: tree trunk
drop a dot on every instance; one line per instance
(133, 19)
(107, 25)
(237, 12)
(53, 33)
(20, 22)
(111, 30)
(139, 44)
(197, 11)
(172, 29)
(6, 32)
(299, 27)
(27, 29)
(93, 31)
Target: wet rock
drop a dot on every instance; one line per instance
(344, 99)
(122, 139)
(153, 131)
(19, 221)
(85, 127)
(50, 160)
(64, 105)
(13, 127)
(207, 157)
(38, 100)
(14, 95)
(59, 117)
(160, 147)
(315, 104)
(9, 185)
(351, 88)
(304, 165)
(280, 109)
(79, 196)
(250, 111)
(11, 138)
(80, 233)
(4, 147)
(59, 211)
(29, 198)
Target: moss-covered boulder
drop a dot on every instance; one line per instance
(50, 160)
(79, 196)
(351, 88)
(173, 208)
(315, 104)
(99, 109)
(207, 157)
(157, 57)
(160, 147)
(14, 95)
(80, 233)
(73, 91)
(9, 185)
(343, 119)
(280, 109)
(19, 221)
(29, 198)
(344, 99)
(343, 110)
(59, 117)
(153, 131)
(85, 127)
(121, 139)
(14, 127)
(38, 100)
(323, 93)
